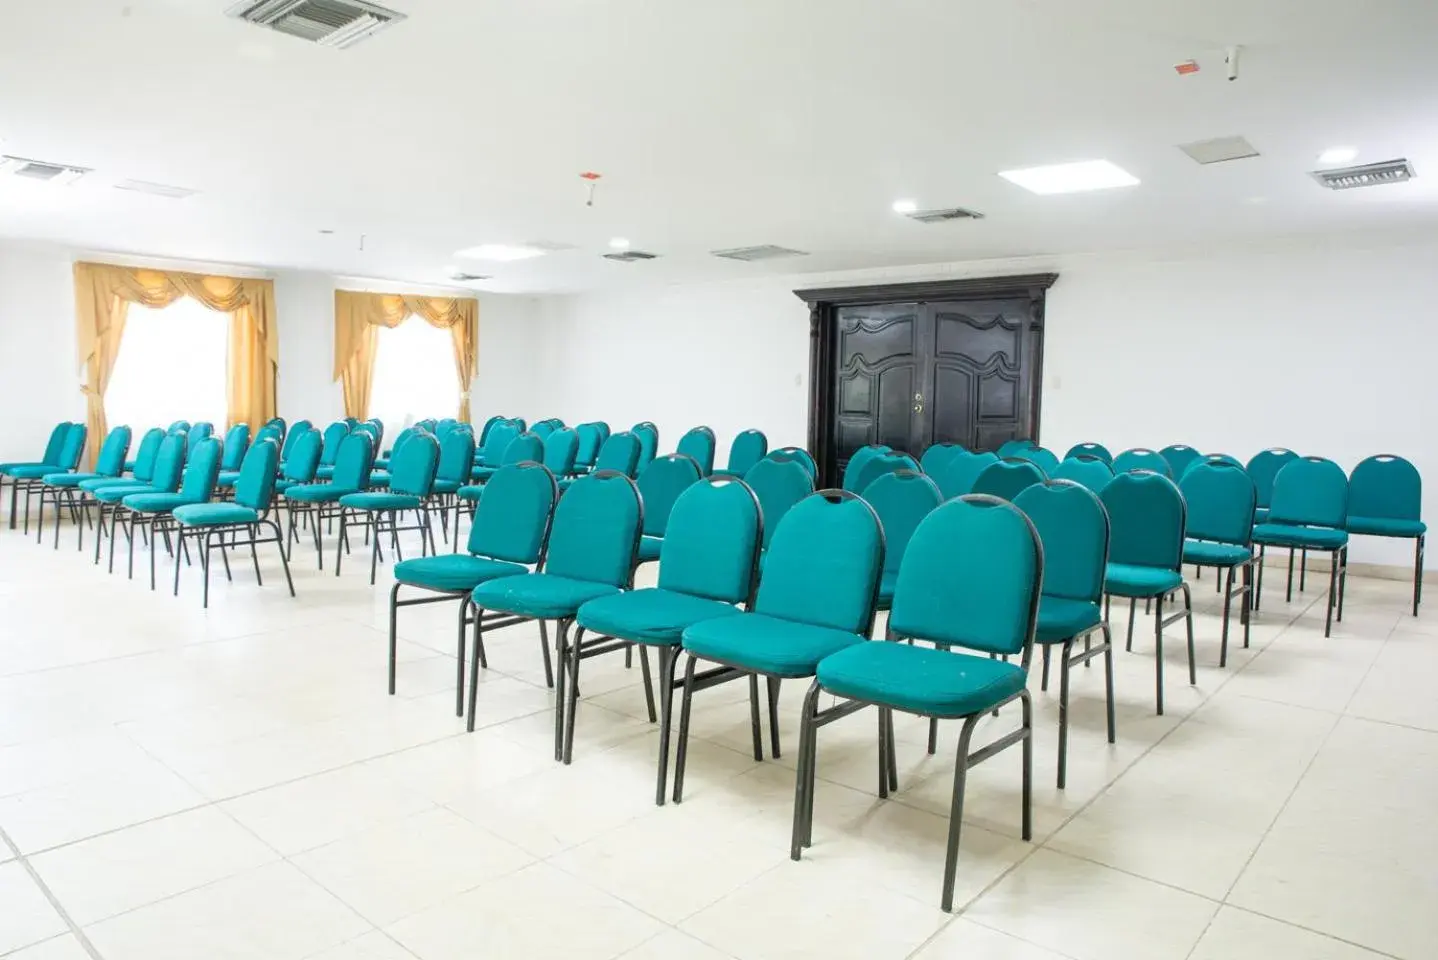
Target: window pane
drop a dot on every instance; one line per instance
(172, 366)
(413, 375)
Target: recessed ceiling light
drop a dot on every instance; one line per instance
(1071, 177)
(619, 243)
(1338, 155)
(501, 252)
(905, 206)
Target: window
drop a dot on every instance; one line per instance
(173, 365)
(413, 375)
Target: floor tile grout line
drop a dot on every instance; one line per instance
(74, 928)
(1317, 933)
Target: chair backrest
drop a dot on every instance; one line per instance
(1385, 487)
(1179, 456)
(202, 470)
(937, 457)
(169, 462)
(203, 430)
(1263, 469)
(428, 425)
(1212, 458)
(1090, 450)
(304, 457)
(699, 444)
(823, 564)
(276, 427)
(256, 486)
(56, 443)
(524, 447)
(748, 448)
(333, 434)
(402, 438)
(876, 467)
(561, 449)
(779, 484)
(648, 436)
(1012, 448)
(542, 429)
(1142, 458)
(354, 463)
(411, 472)
(376, 426)
(237, 441)
(1091, 472)
(1312, 491)
(74, 446)
(369, 428)
(518, 423)
(511, 521)
(287, 440)
(488, 426)
(179, 426)
(111, 461)
(596, 530)
(456, 454)
(1041, 457)
(351, 422)
(1146, 519)
(147, 452)
(497, 439)
(589, 441)
(711, 544)
(963, 469)
(1005, 478)
(902, 500)
(660, 484)
(1220, 499)
(858, 460)
(800, 456)
(272, 433)
(1073, 527)
(619, 453)
(971, 578)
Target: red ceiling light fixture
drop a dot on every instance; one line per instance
(1186, 68)
(591, 180)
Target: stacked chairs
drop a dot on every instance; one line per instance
(1090, 450)
(748, 448)
(1085, 469)
(621, 453)
(858, 461)
(154, 508)
(591, 438)
(1220, 498)
(1385, 499)
(142, 472)
(648, 435)
(960, 473)
(334, 435)
(1006, 478)
(1142, 458)
(660, 486)
(901, 500)
(1179, 456)
(63, 489)
(62, 455)
(1309, 511)
(1041, 457)
(779, 485)
(876, 467)
(936, 458)
(317, 502)
(798, 455)
(698, 444)
(410, 484)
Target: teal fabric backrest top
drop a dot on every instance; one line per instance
(1386, 487)
(511, 521)
(1179, 457)
(169, 462)
(1073, 527)
(400, 440)
(1012, 448)
(542, 429)
(1091, 472)
(1212, 458)
(1312, 491)
(524, 447)
(648, 435)
(488, 426)
(334, 433)
(203, 430)
(279, 424)
(299, 428)
(1090, 450)
(823, 564)
(1146, 520)
(456, 455)
(596, 530)
(858, 460)
(1141, 458)
(74, 446)
(1220, 500)
(1263, 469)
(497, 440)
(1006, 478)
(270, 432)
(876, 467)
(354, 463)
(902, 500)
(798, 455)
(712, 544)
(660, 485)
(147, 452)
(699, 444)
(237, 441)
(959, 476)
(351, 422)
(971, 578)
(747, 449)
(411, 471)
(202, 470)
(427, 425)
(561, 449)
(588, 448)
(779, 484)
(304, 456)
(56, 443)
(256, 486)
(111, 461)
(1041, 457)
(179, 426)
(376, 426)
(620, 453)
(937, 457)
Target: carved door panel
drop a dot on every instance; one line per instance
(981, 371)
(880, 371)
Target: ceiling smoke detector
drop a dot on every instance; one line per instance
(330, 23)
(1219, 150)
(629, 256)
(944, 215)
(767, 251)
(60, 174)
(1367, 175)
(156, 189)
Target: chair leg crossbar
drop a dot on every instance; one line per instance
(1337, 583)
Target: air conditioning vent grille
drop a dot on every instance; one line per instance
(943, 216)
(1367, 175)
(1219, 150)
(156, 189)
(44, 170)
(630, 256)
(766, 251)
(336, 23)
(462, 277)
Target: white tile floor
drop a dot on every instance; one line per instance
(236, 784)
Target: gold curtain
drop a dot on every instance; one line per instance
(357, 315)
(103, 293)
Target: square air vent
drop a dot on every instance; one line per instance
(945, 215)
(629, 256)
(156, 189)
(766, 251)
(1368, 175)
(1218, 150)
(331, 23)
(461, 277)
(56, 173)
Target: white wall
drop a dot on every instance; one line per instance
(39, 379)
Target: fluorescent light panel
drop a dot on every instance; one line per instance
(501, 252)
(1071, 177)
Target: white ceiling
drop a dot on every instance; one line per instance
(716, 123)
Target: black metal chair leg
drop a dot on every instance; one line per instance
(1332, 593)
(668, 660)
(648, 683)
(1063, 710)
(572, 703)
(1227, 599)
(755, 733)
(458, 652)
(956, 814)
(1158, 652)
(1044, 681)
(1417, 574)
(394, 648)
(1188, 621)
(544, 648)
(1303, 570)
(681, 753)
(1288, 598)
(1342, 582)
(1132, 615)
(773, 691)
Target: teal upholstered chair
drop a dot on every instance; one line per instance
(817, 595)
(496, 441)
(275, 428)
(334, 435)
(779, 485)
(962, 471)
(936, 459)
(164, 477)
(876, 467)
(299, 470)
(902, 500)
(376, 430)
(237, 441)
(318, 502)
(524, 448)
(1005, 478)
(1220, 500)
(50, 459)
(28, 478)
(648, 436)
(1041, 457)
(1147, 522)
(1309, 511)
(483, 433)
(620, 453)
(1090, 450)
(592, 543)
(1073, 526)
(543, 429)
(353, 422)
(456, 461)
(237, 523)
(1385, 499)
(858, 460)
(660, 486)
(411, 483)
(1263, 470)
(1015, 447)
(1178, 456)
(1086, 470)
(179, 426)
(380, 476)
(441, 428)
(197, 485)
(561, 450)
(591, 436)
(707, 566)
(699, 444)
(800, 456)
(428, 425)
(507, 537)
(297, 430)
(969, 585)
(1142, 458)
(143, 469)
(202, 430)
(1212, 458)
(63, 489)
(748, 448)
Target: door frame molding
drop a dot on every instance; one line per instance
(824, 336)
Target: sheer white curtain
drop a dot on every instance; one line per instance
(171, 366)
(413, 375)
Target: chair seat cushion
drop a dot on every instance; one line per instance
(379, 501)
(32, 471)
(214, 514)
(70, 479)
(155, 502)
(1206, 552)
(1372, 526)
(649, 548)
(91, 484)
(5, 468)
(454, 571)
(469, 492)
(1061, 618)
(227, 478)
(114, 493)
(445, 486)
(316, 493)
(1129, 580)
(540, 595)
(765, 644)
(922, 680)
(651, 615)
(1291, 535)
